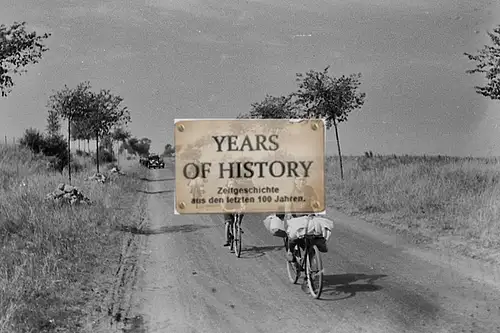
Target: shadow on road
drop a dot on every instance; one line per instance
(251, 255)
(264, 249)
(155, 180)
(164, 230)
(251, 252)
(343, 285)
(157, 192)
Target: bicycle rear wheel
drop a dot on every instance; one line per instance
(314, 271)
(293, 268)
(229, 232)
(237, 236)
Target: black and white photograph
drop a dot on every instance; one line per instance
(398, 232)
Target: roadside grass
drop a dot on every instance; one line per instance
(445, 200)
(51, 255)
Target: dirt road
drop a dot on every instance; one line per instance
(183, 280)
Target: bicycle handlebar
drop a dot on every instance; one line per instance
(234, 211)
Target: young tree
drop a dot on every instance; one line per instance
(78, 129)
(18, 49)
(138, 147)
(330, 98)
(107, 143)
(273, 108)
(106, 113)
(119, 134)
(283, 107)
(131, 146)
(169, 150)
(143, 146)
(106, 148)
(85, 131)
(53, 124)
(488, 63)
(70, 104)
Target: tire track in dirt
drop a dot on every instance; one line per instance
(118, 298)
(119, 301)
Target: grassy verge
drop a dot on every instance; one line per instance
(451, 202)
(53, 256)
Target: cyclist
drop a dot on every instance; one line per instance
(307, 208)
(307, 192)
(239, 184)
(231, 209)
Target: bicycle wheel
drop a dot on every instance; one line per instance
(229, 233)
(237, 236)
(293, 268)
(314, 271)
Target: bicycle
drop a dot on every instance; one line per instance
(234, 234)
(304, 264)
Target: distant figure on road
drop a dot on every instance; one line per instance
(196, 187)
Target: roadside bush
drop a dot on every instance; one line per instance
(32, 139)
(105, 156)
(76, 166)
(112, 165)
(82, 153)
(57, 148)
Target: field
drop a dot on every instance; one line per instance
(449, 202)
(55, 256)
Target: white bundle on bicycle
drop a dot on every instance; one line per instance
(309, 225)
(275, 225)
(299, 226)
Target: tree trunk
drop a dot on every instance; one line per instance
(338, 147)
(97, 151)
(118, 153)
(79, 142)
(69, 150)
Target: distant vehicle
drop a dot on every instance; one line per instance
(154, 161)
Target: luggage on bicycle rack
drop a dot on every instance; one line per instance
(275, 225)
(309, 225)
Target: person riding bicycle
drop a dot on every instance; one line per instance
(240, 189)
(307, 208)
(231, 208)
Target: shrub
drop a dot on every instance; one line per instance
(33, 140)
(76, 166)
(112, 165)
(82, 153)
(56, 147)
(105, 156)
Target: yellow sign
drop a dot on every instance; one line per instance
(249, 165)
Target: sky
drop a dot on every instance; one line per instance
(213, 58)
